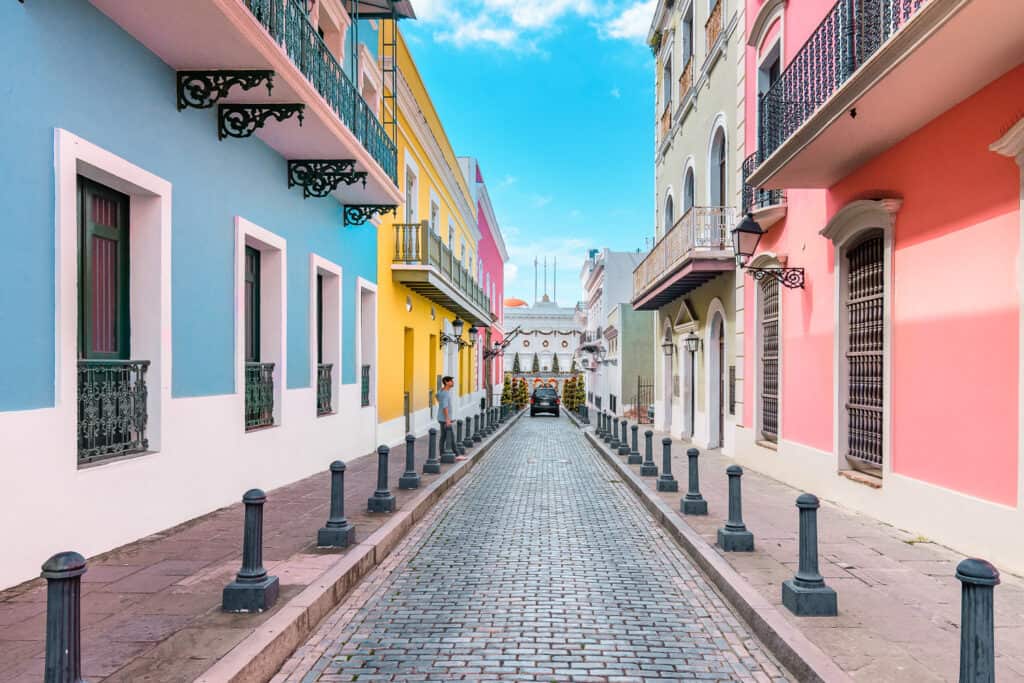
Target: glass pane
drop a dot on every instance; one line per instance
(103, 306)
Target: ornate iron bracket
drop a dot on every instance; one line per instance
(321, 177)
(788, 277)
(242, 120)
(499, 347)
(357, 214)
(202, 89)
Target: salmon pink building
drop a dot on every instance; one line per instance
(881, 311)
(492, 255)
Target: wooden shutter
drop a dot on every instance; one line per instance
(770, 359)
(104, 330)
(252, 305)
(865, 297)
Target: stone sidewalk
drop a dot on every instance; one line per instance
(151, 609)
(899, 602)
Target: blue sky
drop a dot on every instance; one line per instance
(555, 98)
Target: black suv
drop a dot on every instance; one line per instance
(544, 400)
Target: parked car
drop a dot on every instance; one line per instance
(545, 400)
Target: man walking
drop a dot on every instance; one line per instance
(445, 415)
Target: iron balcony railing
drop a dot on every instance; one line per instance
(259, 395)
(324, 388)
(849, 35)
(289, 25)
(755, 198)
(364, 385)
(417, 244)
(112, 411)
(702, 228)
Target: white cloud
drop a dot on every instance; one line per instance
(539, 201)
(478, 31)
(511, 272)
(508, 181)
(633, 23)
(615, 93)
(535, 14)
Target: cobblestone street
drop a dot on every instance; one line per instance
(540, 566)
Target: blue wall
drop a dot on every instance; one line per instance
(69, 66)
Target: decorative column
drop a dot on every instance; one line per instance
(338, 532)
(63, 574)
(806, 594)
(382, 499)
(734, 537)
(693, 503)
(252, 590)
(978, 580)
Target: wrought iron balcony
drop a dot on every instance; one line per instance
(842, 99)
(324, 388)
(713, 27)
(767, 206)
(696, 249)
(364, 386)
(289, 25)
(426, 265)
(112, 412)
(259, 395)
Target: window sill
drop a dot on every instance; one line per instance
(113, 459)
(767, 445)
(327, 414)
(862, 478)
(253, 430)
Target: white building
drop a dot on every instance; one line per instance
(548, 336)
(617, 344)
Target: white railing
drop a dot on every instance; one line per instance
(701, 229)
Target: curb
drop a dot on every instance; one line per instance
(262, 653)
(785, 641)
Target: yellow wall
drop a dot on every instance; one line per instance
(412, 335)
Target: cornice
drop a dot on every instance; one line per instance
(1011, 144)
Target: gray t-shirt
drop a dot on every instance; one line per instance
(444, 400)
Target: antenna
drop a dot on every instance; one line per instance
(554, 281)
(534, 279)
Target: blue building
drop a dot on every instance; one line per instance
(187, 287)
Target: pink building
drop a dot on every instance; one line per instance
(891, 380)
(491, 275)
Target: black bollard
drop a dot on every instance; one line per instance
(605, 436)
(624, 437)
(485, 423)
(648, 469)
(634, 452)
(978, 580)
(477, 435)
(447, 444)
(432, 465)
(458, 447)
(666, 482)
(734, 537)
(613, 441)
(409, 479)
(693, 503)
(338, 532)
(63, 574)
(252, 590)
(806, 594)
(468, 441)
(585, 411)
(382, 499)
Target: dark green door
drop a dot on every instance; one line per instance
(252, 305)
(104, 331)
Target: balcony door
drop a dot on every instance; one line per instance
(718, 169)
(104, 330)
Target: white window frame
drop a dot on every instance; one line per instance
(366, 321)
(843, 229)
(333, 307)
(150, 199)
(273, 312)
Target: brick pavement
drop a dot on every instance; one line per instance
(539, 566)
(899, 603)
(151, 609)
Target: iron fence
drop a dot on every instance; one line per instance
(324, 388)
(112, 411)
(259, 395)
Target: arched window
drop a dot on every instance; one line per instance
(717, 169)
(688, 191)
(669, 217)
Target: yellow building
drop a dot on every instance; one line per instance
(428, 270)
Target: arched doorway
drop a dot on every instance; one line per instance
(716, 382)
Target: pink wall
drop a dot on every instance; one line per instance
(955, 305)
(493, 264)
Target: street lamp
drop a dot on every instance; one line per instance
(473, 332)
(667, 346)
(745, 238)
(456, 336)
(692, 342)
